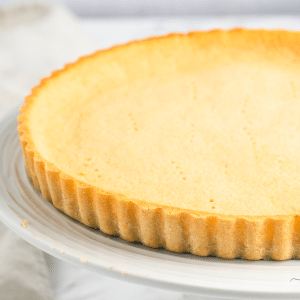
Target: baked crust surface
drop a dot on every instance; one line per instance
(189, 142)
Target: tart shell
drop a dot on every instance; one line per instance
(175, 229)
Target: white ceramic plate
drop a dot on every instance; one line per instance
(64, 238)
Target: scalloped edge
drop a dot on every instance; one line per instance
(178, 230)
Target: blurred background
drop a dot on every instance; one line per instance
(138, 8)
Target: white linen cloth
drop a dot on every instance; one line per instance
(34, 40)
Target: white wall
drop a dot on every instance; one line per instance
(108, 8)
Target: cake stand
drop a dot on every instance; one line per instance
(24, 210)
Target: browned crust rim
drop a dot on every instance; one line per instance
(179, 230)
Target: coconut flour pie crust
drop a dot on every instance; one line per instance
(189, 142)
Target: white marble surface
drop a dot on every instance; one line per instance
(105, 32)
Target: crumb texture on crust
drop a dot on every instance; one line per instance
(195, 150)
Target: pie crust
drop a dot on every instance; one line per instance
(189, 142)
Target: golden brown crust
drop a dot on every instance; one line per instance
(179, 230)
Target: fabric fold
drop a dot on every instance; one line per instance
(35, 39)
